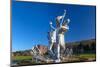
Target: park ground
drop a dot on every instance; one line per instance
(74, 58)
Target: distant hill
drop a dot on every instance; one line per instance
(82, 41)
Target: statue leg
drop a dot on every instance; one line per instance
(51, 46)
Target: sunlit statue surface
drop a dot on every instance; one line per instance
(56, 35)
(56, 41)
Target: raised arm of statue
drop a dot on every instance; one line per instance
(51, 26)
(68, 20)
(63, 16)
(60, 19)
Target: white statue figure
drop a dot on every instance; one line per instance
(62, 27)
(52, 36)
(56, 35)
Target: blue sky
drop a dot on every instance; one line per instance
(30, 23)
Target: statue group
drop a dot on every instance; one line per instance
(56, 35)
(56, 41)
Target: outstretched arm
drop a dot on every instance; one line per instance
(63, 17)
(51, 26)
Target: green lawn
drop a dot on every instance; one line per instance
(22, 57)
(87, 55)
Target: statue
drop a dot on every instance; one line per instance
(56, 41)
(52, 36)
(57, 34)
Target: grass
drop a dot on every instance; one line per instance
(22, 57)
(87, 56)
(22, 60)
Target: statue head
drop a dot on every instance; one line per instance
(64, 27)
